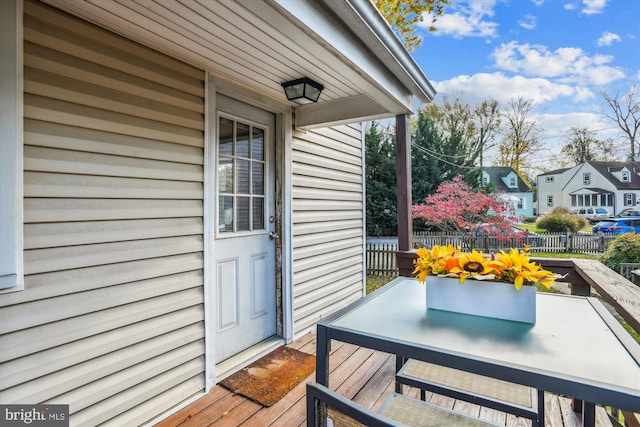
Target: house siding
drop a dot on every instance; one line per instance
(111, 320)
(328, 219)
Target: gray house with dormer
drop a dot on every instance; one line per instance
(613, 186)
(516, 194)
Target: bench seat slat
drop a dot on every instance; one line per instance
(485, 391)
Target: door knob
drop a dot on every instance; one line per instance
(273, 235)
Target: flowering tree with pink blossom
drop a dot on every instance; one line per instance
(455, 206)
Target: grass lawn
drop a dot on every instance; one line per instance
(563, 255)
(588, 228)
(374, 283)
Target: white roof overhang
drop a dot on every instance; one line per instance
(589, 191)
(256, 45)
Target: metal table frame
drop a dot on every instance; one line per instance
(395, 320)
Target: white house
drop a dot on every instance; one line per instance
(167, 214)
(613, 186)
(514, 191)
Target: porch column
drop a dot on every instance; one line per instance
(405, 254)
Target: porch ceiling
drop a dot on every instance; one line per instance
(343, 44)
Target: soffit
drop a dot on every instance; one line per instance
(257, 45)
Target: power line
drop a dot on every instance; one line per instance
(424, 150)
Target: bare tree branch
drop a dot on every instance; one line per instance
(521, 138)
(626, 114)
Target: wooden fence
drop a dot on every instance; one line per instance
(381, 258)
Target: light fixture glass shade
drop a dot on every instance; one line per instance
(302, 91)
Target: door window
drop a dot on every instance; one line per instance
(241, 177)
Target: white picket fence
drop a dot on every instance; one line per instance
(381, 258)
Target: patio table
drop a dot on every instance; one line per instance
(576, 347)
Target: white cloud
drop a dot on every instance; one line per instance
(570, 6)
(503, 88)
(607, 38)
(583, 94)
(528, 22)
(468, 19)
(538, 2)
(559, 124)
(571, 65)
(592, 7)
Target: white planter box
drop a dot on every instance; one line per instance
(482, 298)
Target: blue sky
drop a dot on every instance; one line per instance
(559, 53)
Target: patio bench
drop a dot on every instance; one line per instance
(328, 408)
(493, 393)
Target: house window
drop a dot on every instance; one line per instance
(625, 176)
(608, 199)
(241, 177)
(520, 204)
(586, 178)
(11, 273)
(485, 180)
(512, 181)
(574, 200)
(549, 179)
(629, 199)
(549, 201)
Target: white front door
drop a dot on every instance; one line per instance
(245, 246)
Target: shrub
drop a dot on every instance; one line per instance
(560, 210)
(624, 248)
(560, 220)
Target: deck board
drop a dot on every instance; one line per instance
(363, 375)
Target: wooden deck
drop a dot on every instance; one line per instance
(363, 375)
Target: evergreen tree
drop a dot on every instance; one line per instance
(381, 191)
(442, 148)
(426, 171)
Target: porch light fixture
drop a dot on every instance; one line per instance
(302, 91)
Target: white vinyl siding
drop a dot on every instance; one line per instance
(111, 318)
(328, 258)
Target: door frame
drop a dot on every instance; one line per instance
(284, 247)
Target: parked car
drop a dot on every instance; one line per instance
(618, 225)
(592, 215)
(628, 212)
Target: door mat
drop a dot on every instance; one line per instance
(268, 379)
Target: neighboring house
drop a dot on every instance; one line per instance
(512, 189)
(167, 215)
(613, 186)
